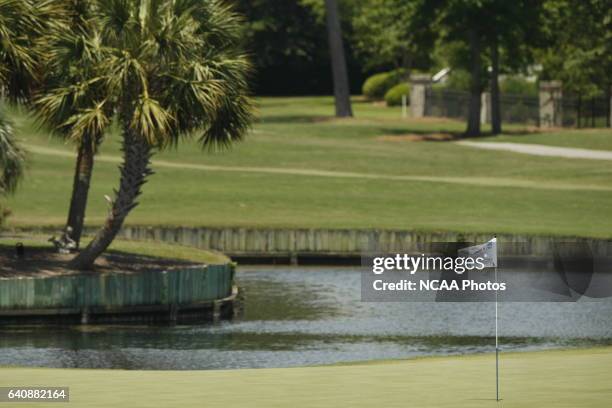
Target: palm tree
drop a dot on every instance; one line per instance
(167, 70)
(72, 58)
(22, 25)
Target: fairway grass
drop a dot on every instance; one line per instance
(560, 379)
(302, 168)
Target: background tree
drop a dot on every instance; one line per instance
(390, 34)
(512, 32)
(169, 70)
(22, 25)
(73, 57)
(342, 95)
(578, 48)
(286, 42)
(483, 32)
(458, 21)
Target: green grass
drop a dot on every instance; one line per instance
(144, 248)
(560, 379)
(302, 168)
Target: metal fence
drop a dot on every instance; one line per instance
(447, 103)
(516, 108)
(582, 112)
(576, 111)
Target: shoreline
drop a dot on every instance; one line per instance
(356, 363)
(329, 246)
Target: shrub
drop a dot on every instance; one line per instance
(376, 86)
(393, 97)
(458, 80)
(518, 85)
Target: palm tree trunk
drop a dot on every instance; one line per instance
(80, 189)
(341, 83)
(473, 125)
(496, 122)
(134, 172)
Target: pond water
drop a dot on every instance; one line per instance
(307, 316)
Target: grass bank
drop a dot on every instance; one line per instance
(571, 378)
(125, 247)
(300, 167)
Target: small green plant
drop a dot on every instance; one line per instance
(393, 97)
(518, 85)
(458, 80)
(376, 86)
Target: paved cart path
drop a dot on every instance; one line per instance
(466, 180)
(542, 150)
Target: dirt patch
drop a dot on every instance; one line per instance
(415, 137)
(46, 262)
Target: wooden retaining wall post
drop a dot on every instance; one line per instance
(216, 311)
(85, 315)
(119, 296)
(293, 259)
(173, 313)
(294, 242)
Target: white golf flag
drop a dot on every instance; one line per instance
(486, 251)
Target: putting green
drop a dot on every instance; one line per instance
(568, 378)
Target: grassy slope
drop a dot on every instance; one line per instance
(575, 197)
(560, 379)
(152, 249)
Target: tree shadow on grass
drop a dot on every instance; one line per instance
(280, 119)
(444, 135)
(301, 119)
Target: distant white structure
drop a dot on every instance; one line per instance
(441, 75)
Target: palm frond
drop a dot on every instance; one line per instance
(23, 26)
(12, 157)
(151, 121)
(231, 123)
(88, 124)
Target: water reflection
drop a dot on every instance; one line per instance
(304, 316)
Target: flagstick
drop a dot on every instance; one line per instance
(477, 249)
(496, 332)
(496, 345)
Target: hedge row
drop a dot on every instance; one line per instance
(393, 97)
(376, 86)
